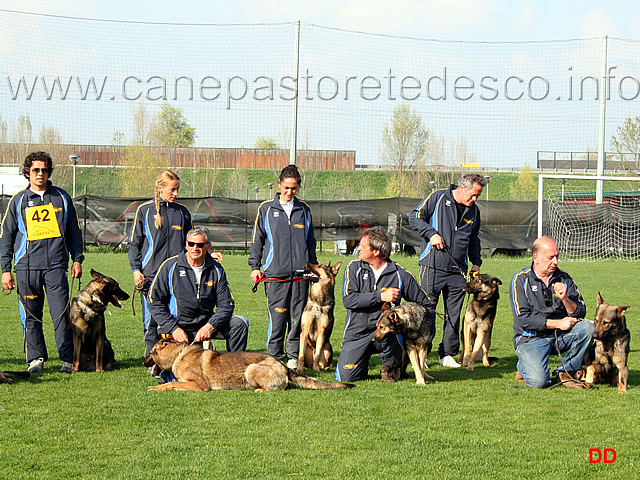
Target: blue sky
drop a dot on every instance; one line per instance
(476, 20)
(413, 38)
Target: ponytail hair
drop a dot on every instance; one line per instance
(164, 177)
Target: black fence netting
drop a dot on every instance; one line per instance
(508, 226)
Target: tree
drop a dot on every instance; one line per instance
(404, 143)
(266, 143)
(627, 139)
(171, 129)
(525, 187)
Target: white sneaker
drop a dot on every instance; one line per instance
(448, 361)
(36, 365)
(292, 363)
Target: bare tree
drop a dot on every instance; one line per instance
(626, 142)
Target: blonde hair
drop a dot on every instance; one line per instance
(164, 177)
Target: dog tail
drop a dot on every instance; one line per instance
(311, 383)
(16, 374)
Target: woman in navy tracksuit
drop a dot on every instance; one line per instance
(159, 232)
(282, 242)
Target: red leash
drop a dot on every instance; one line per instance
(262, 278)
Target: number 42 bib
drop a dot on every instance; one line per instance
(42, 222)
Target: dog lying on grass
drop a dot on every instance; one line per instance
(197, 369)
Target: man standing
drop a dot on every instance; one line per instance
(369, 282)
(547, 311)
(448, 222)
(185, 292)
(41, 229)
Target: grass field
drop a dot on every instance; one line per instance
(463, 425)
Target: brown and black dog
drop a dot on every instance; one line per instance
(91, 349)
(611, 350)
(317, 318)
(478, 319)
(413, 322)
(197, 369)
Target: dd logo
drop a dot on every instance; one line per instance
(608, 455)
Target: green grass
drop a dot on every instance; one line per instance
(464, 425)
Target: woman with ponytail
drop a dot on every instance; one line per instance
(159, 232)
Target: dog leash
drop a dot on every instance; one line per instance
(137, 288)
(587, 385)
(262, 278)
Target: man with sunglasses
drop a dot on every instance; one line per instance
(548, 312)
(190, 298)
(40, 230)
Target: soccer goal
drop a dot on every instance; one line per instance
(584, 229)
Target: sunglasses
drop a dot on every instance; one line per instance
(36, 170)
(196, 244)
(548, 300)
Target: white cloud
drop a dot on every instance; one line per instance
(597, 24)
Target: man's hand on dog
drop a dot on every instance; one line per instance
(204, 333)
(179, 335)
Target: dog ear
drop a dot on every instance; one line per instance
(393, 317)
(97, 275)
(497, 281)
(385, 307)
(600, 300)
(622, 310)
(336, 267)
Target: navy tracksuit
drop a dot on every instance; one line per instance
(441, 270)
(176, 300)
(149, 247)
(280, 246)
(41, 264)
(361, 297)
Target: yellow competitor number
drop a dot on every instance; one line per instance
(41, 222)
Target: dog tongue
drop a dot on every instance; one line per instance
(116, 301)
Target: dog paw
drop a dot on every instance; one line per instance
(470, 368)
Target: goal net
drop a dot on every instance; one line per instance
(584, 229)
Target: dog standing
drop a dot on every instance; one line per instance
(611, 349)
(413, 322)
(478, 319)
(197, 369)
(91, 349)
(317, 318)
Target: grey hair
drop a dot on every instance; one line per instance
(199, 231)
(378, 240)
(468, 179)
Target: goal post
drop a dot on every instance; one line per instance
(584, 228)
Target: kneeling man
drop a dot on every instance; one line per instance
(191, 299)
(546, 306)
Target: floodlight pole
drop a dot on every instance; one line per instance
(293, 146)
(74, 159)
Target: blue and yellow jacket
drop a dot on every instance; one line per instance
(148, 246)
(361, 295)
(533, 302)
(437, 214)
(176, 300)
(27, 210)
(281, 246)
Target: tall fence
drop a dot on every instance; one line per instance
(90, 82)
(506, 226)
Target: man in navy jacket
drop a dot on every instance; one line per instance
(191, 299)
(546, 304)
(448, 222)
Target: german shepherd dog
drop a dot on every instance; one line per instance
(611, 348)
(317, 318)
(4, 376)
(91, 349)
(478, 319)
(197, 369)
(413, 322)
